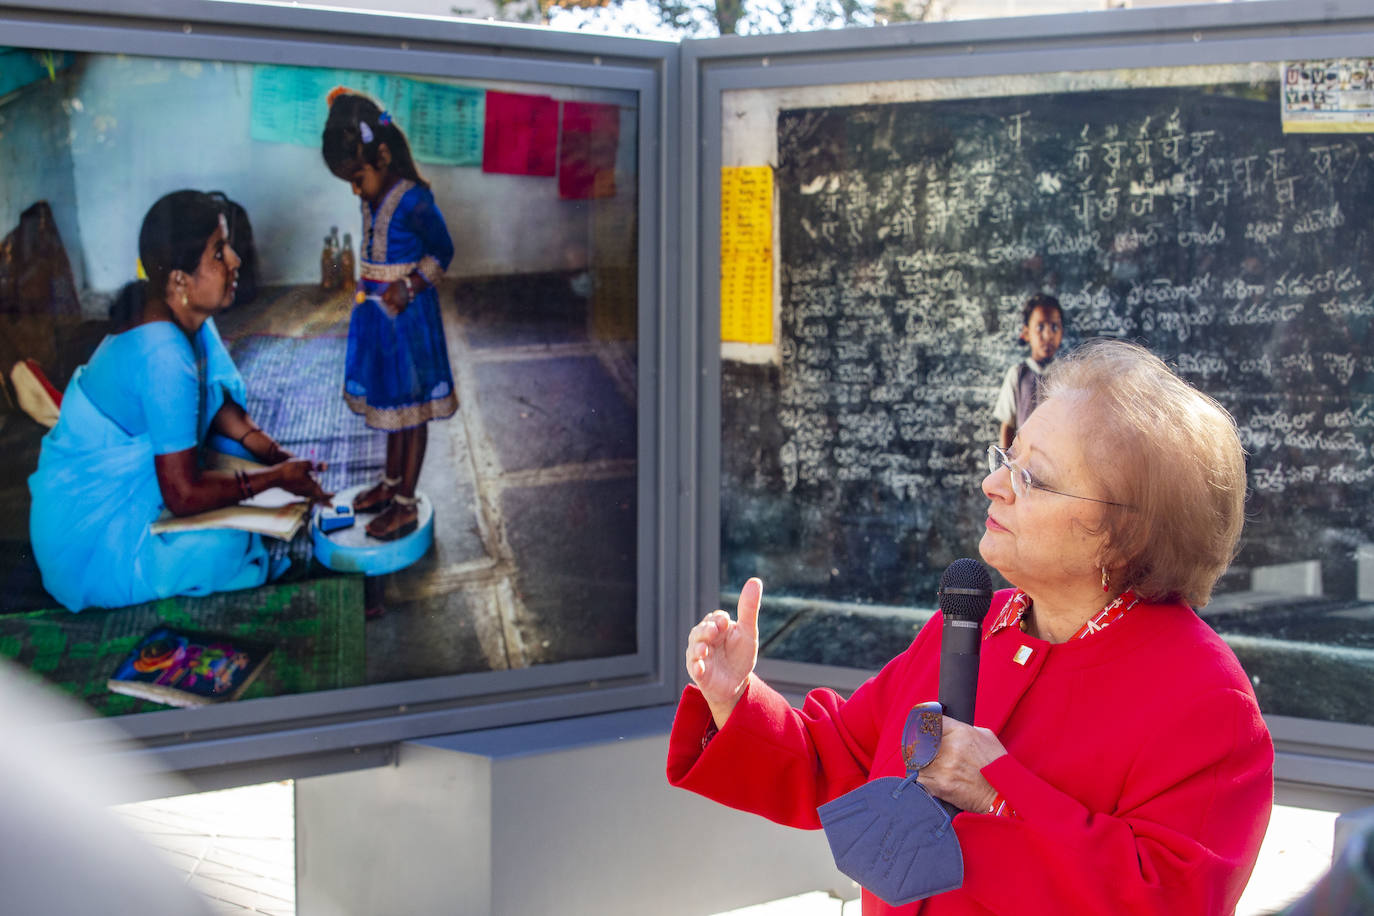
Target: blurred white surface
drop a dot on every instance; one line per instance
(61, 850)
(236, 847)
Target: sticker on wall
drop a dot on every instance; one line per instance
(1328, 96)
(746, 254)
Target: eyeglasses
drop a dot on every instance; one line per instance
(1022, 482)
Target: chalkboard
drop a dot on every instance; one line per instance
(910, 234)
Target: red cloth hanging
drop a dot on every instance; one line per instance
(521, 135)
(586, 153)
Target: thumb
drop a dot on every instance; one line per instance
(747, 612)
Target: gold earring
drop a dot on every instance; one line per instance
(1106, 580)
(184, 300)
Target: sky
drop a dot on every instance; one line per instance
(640, 17)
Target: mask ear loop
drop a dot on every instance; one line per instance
(921, 735)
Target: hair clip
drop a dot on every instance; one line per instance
(139, 272)
(365, 131)
(384, 118)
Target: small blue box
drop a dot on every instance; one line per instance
(334, 518)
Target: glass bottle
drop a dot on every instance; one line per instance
(338, 257)
(347, 264)
(327, 265)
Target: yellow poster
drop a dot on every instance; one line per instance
(746, 254)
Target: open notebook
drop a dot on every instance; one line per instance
(272, 513)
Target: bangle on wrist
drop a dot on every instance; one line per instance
(410, 288)
(245, 485)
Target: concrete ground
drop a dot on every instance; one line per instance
(237, 848)
(533, 483)
(533, 480)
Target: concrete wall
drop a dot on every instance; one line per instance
(570, 817)
(37, 162)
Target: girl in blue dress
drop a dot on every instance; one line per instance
(128, 444)
(397, 372)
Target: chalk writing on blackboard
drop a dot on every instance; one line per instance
(910, 234)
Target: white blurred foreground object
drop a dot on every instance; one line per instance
(64, 851)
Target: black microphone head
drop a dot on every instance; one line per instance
(965, 591)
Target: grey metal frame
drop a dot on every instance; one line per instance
(1319, 764)
(309, 734)
(680, 90)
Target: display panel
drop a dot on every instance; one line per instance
(1167, 206)
(530, 487)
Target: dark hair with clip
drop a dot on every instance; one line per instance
(173, 237)
(346, 144)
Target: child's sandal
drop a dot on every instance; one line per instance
(399, 503)
(378, 497)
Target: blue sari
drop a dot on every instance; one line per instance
(96, 492)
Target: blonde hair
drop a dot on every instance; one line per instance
(1169, 452)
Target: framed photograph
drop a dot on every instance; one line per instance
(335, 348)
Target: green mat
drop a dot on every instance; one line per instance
(314, 626)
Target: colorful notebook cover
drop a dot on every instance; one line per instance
(188, 669)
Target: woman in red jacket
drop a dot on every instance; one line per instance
(1118, 763)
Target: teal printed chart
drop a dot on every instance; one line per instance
(289, 103)
(443, 123)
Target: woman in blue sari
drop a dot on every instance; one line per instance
(129, 440)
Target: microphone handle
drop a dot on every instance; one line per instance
(959, 668)
(959, 675)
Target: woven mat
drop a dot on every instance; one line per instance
(295, 392)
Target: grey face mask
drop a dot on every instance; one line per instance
(890, 834)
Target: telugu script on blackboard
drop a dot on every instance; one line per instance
(911, 234)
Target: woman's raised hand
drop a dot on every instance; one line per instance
(297, 475)
(721, 652)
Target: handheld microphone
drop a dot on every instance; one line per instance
(965, 596)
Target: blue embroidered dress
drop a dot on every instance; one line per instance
(396, 373)
(148, 391)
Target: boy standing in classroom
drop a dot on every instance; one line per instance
(1042, 327)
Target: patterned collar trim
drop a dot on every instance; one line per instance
(378, 227)
(1013, 613)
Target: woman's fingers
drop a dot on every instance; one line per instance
(955, 774)
(697, 653)
(710, 633)
(721, 648)
(749, 598)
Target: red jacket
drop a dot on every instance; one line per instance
(1137, 762)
